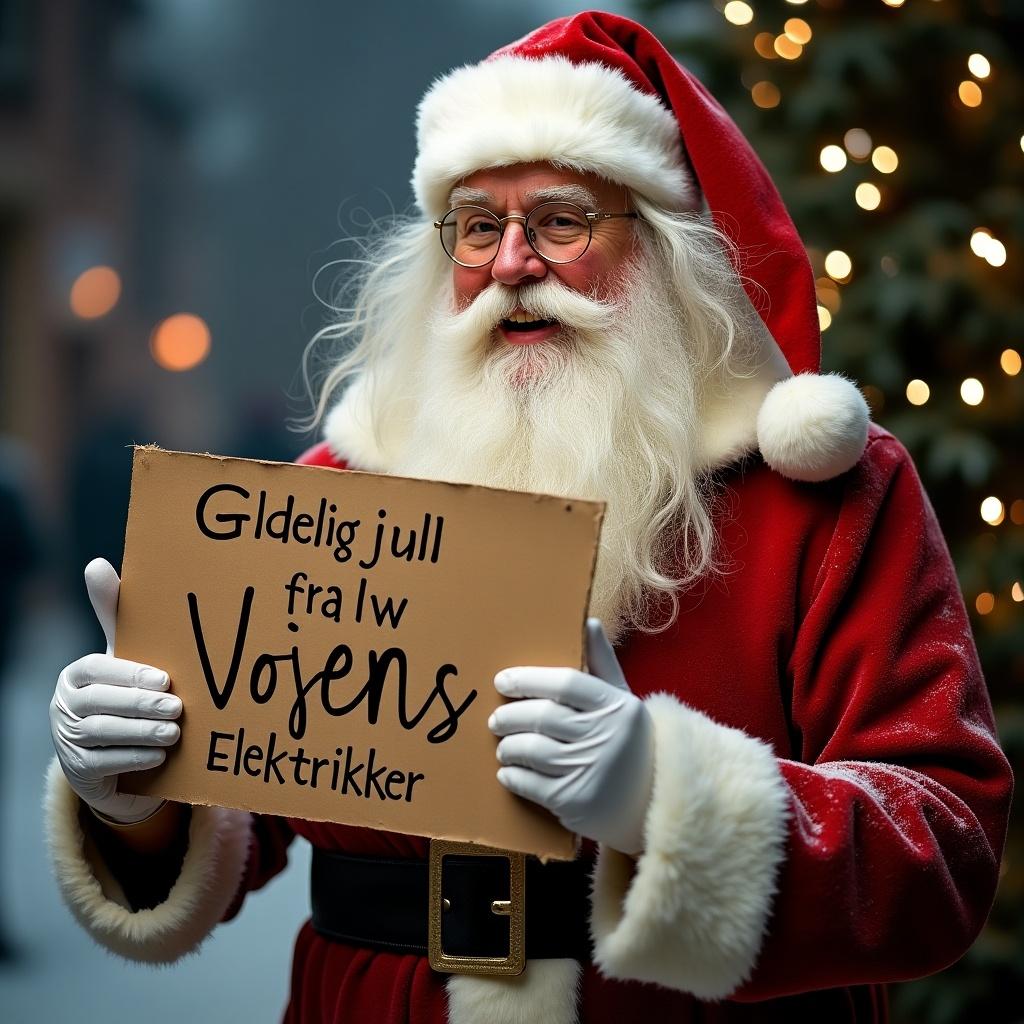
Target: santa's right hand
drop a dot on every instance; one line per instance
(109, 716)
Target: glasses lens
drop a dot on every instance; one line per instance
(560, 232)
(470, 235)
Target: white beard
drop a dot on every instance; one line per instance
(607, 410)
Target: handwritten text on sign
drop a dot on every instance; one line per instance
(334, 637)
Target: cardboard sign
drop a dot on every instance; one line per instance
(334, 637)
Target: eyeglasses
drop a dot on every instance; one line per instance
(556, 232)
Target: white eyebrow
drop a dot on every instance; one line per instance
(576, 194)
(462, 195)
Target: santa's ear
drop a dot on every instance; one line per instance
(812, 427)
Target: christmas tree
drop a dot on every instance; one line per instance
(893, 129)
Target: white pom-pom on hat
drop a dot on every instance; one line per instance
(812, 427)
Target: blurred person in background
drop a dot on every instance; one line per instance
(782, 756)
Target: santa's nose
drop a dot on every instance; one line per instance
(516, 263)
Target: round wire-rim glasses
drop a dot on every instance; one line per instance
(557, 232)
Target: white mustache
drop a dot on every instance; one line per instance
(546, 300)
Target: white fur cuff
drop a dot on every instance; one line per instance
(217, 853)
(692, 911)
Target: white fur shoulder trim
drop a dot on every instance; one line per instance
(210, 875)
(545, 993)
(691, 913)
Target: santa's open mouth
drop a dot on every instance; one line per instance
(524, 329)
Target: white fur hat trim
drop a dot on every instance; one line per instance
(513, 110)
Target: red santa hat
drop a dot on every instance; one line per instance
(599, 93)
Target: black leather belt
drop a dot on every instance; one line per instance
(494, 909)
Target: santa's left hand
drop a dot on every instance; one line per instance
(580, 745)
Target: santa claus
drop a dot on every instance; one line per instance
(782, 756)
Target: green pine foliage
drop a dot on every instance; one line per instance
(919, 304)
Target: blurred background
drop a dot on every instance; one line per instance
(173, 174)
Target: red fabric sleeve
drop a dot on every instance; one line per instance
(900, 792)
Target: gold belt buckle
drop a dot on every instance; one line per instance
(514, 908)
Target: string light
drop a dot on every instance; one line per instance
(838, 265)
(978, 65)
(857, 143)
(972, 391)
(985, 603)
(893, 3)
(765, 95)
(738, 13)
(181, 342)
(95, 292)
(918, 392)
(1010, 362)
(867, 195)
(824, 318)
(1017, 592)
(764, 44)
(889, 266)
(786, 48)
(992, 511)
(969, 93)
(832, 158)
(1017, 512)
(885, 160)
(798, 31)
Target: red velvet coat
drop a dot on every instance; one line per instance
(837, 635)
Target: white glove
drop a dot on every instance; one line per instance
(109, 716)
(580, 745)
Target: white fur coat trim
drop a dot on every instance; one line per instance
(217, 853)
(545, 993)
(691, 912)
(512, 110)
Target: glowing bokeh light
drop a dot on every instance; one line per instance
(970, 94)
(867, 195)
(992, 511)
(972, 391)
(918, 392)
(1017, 512)
(765, 95)
(181, 342)
(1017, 592)
(838, 265)
(824, 318)
(996, 255)
(832, 158)
(857, 143)
(885, 159)
(978, 65)
(764, 44)
(980, 241)
(95, 292)
(1010, 362)
(738, 13)
(786, 48)
(985, 603)
(797, 30)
